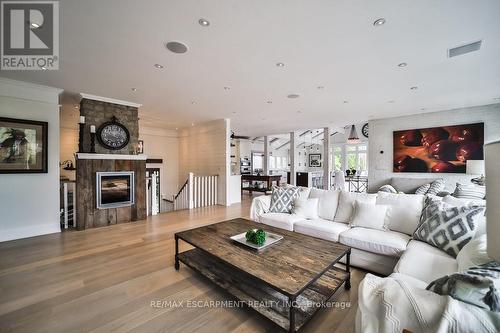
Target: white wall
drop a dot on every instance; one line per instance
(204, 150)
(164, 144)
(30, 202)
(381, 139)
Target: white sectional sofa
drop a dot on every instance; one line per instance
(379, 251)
(390, 252)
(375, 250)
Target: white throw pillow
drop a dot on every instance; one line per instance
(328, 202)
(346, 202)
(469, 191)
(369, 215)
(404, 215)
(306, 208)
(387, 188)
(449, 199)
(473, 254)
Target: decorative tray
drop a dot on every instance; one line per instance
(270, 240)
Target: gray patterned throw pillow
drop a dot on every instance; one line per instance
(282, 199)
(423, 189)
(436, 186)
(448, 227)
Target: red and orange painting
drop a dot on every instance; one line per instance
(443, 149)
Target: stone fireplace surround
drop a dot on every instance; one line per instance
(98, 110)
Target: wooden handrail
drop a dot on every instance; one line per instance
(182, 188)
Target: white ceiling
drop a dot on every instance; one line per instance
(109, 47)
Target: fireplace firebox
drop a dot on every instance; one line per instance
(115, 189)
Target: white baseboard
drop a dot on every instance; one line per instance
(31, 231)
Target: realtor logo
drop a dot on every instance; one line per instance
(30, 35)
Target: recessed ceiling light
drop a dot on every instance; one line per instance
(35, 25)
(414, 88)
(227, 88)
(158, 66)
(280, 64)
(176, 47)
(176, 128)
(293, 96)
(134, 89)
(192, 124)
(379, 22)
(402, 64)
(269, 102)
(203, 22)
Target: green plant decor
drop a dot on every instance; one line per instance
(256, 237)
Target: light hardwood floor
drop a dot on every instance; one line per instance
(105, 279)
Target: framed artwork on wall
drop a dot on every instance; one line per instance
(444, 149)
(315, 160)
(23, 146)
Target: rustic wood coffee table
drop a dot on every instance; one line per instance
(284, 282)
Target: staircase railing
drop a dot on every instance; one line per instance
(197, 191)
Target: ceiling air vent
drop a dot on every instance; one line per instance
(459, 50)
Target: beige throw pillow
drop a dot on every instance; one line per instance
(369, 215)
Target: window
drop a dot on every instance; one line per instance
(272, 163)
(337, 159)
(348, 156)
(278, 162)
(257, 161)
(357, 158)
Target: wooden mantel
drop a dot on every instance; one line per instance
(90, 156)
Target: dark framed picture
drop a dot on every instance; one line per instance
(315, 160)
(444, 149)
(23, 146)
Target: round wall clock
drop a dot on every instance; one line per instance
(364, 130)
(113, 135)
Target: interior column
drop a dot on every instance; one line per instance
(326, 158)
(265, 163)
(293, 159)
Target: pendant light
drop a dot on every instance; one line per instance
(353, 135)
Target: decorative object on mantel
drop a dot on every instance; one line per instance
(67, 165)
(476, 167)
(113, 135)
(23, 146)
(81, 125)
(443, 149)
(353, 135)
(140, 147)
(92, 139)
